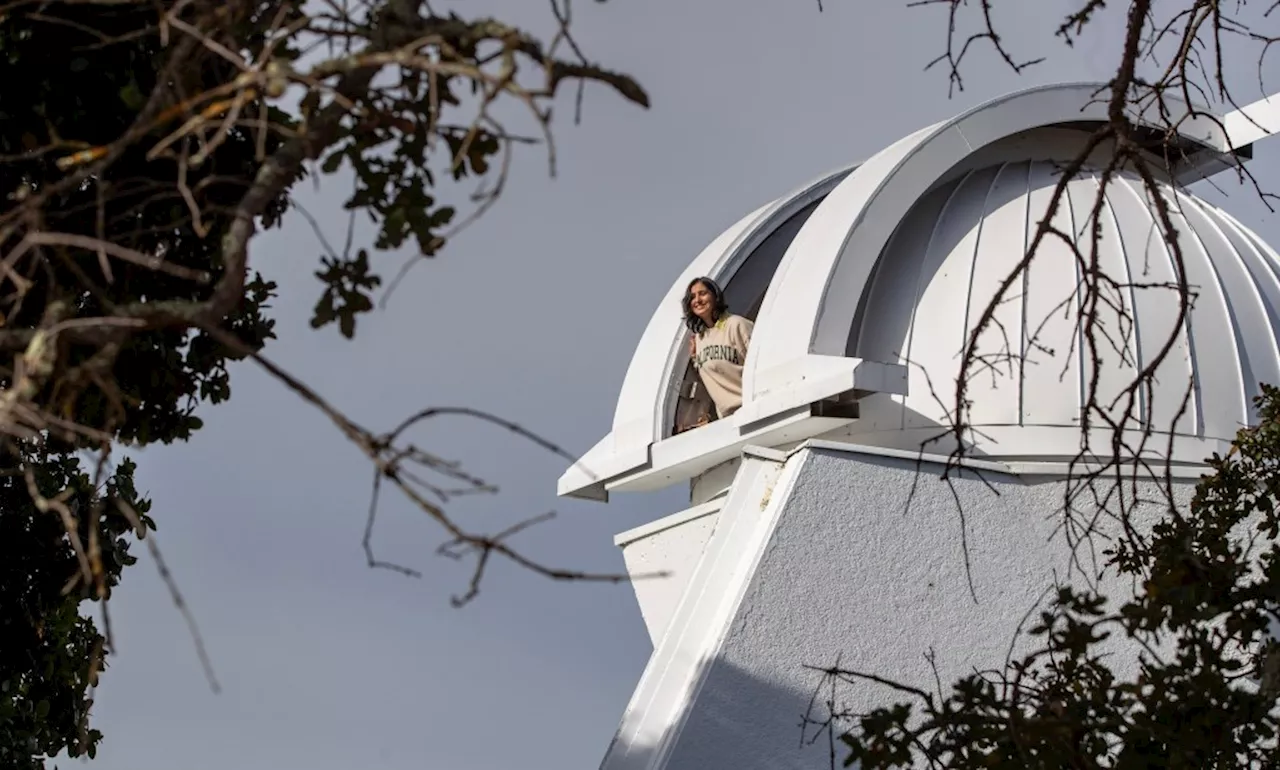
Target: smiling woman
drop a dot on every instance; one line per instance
(717, 345)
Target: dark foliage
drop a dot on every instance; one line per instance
(66, 89)
(142, 144)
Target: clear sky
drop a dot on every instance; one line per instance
(533, 314)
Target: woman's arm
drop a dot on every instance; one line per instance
(742, 335)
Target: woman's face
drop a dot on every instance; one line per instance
(701, 301)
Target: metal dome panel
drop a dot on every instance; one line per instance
(953, 250)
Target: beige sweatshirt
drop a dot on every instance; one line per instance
(721, 352)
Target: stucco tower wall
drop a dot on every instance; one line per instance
(849, 571)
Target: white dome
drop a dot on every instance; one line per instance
(866, 282)
(949, 255)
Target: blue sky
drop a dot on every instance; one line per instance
(532, 314)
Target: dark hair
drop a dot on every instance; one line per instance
(718, 307)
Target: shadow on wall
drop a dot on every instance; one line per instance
(740, 721)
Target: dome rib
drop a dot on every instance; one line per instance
(1247, 302)
(1027, 235)
(1133, 345)
(946, 214)
(1169, 404)
(1228, 257)
(1074, 355)
(1260, 265)
(975, 254)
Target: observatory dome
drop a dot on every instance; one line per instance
(1038, 364)
(866, 284)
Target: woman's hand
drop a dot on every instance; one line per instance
(693, 346)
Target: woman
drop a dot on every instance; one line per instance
(717, 344)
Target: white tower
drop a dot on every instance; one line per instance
(799, 546)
